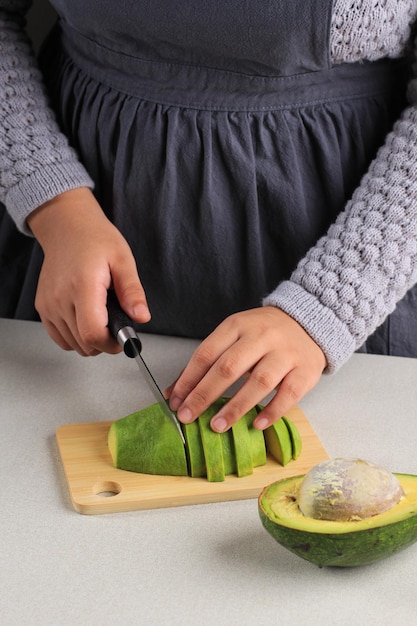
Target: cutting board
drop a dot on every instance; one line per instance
(96, 486)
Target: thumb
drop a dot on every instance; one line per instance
(131, 295)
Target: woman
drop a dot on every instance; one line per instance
(253, 181)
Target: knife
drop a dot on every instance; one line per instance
(121, 327)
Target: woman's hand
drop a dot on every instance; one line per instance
(84, 255)
(268, 347)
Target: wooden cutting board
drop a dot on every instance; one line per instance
(96, 486)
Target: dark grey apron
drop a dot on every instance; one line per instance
(221, 140)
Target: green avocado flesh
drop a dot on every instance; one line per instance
(295, 437)
(257, 439)
(194, 450)
(278, 441)
(242, 444)
(212, 447)
(148, 443)
(229, 457)
(338, 544)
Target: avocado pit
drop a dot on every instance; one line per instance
(344, 490)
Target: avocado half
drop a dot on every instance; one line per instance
(338, 544)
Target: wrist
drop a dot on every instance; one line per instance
(71, 209)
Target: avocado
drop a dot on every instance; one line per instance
(295, 437)
(242, 444)
(212, 447)
(194, 450)
(278, 442)
(346, 543)
(147, 442)
(257, 440)
(229, 457)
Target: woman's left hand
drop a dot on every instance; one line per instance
(264, 345)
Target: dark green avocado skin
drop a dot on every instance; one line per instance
(348, 549)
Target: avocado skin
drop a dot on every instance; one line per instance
(346, 549)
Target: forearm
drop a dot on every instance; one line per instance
(36, 161)
(354, 276)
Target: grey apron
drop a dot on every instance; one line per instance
(221, 140)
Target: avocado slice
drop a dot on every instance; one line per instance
(229, 457)
(296, 442)
(147, 442)
(212, 443)
(278, 442)
(333, 543)
(243, 448)
(212, 447)
(194, 450)
(257, 439)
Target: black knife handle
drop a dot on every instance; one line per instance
(122, 327)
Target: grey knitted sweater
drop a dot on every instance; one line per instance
(353, 277)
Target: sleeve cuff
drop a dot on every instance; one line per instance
(41, 186)
(320, 322)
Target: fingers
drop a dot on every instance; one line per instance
(213, 367)
(80, 327)
(129, 290)
(63, 338)
(268, 375)
(288, 389)
(72, 292)
(268, 349)
(291, 389)
(84, 254)
(235, 348)
(66, 340)
(90, 321)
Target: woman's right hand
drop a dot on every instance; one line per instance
(85, 255)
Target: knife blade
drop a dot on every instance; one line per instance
(121, 328)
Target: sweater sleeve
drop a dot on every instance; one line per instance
(36, 161)
(352, 279)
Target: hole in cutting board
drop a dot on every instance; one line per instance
(107, 489)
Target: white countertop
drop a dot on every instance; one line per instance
(209, 564)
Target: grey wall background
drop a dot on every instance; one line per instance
(39, 21)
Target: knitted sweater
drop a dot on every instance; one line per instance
(353, 277)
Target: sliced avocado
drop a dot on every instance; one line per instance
(334, 543)
(243, 448)
(194, 450)
(229, 458)
(257, 439)
(296, 441)
(278, 442)
(213, 448)
(147, 442)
